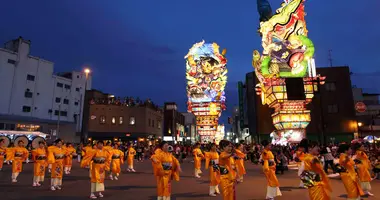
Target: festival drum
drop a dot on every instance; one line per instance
(21, 138)
(36, 141)
(7, 140)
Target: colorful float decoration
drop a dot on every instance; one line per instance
(206, 76)
(287, 54)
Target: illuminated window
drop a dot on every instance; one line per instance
(102, 119)
(159, 124)
(113, 120)
(132, 121)
(121, 120)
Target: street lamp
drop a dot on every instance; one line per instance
(86, 71)
(360, 124)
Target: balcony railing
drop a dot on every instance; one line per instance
(128, 102)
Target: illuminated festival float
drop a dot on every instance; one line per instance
(286, 69)
(206, 75)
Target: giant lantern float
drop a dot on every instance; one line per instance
(206, 75)
(286, 69)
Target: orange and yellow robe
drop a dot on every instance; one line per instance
(3, 151)
(212, 163)
(68, 162)
(85, 149)
(56, 157)
(39, 157)
(167, 170)
(117, 161)
(97, 158)
(227, 176)
(321, 190)
(17, 155)
(198, 156)
(363, 169)
(154, 164)
(108, 163)
(269, 168)
(239, 163)
(131, 157)
(350, 178)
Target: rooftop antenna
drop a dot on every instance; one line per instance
(330, 58)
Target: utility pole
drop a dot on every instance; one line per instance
(59, 118)
(330, 58)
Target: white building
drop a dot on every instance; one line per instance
(191, 127)
(31, 93)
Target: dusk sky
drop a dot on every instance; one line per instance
(137, 47)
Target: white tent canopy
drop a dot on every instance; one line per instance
(26, 133)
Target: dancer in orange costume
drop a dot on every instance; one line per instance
(348, 175)
(130, 158)
(321, 188)
(117, 161)
(70, 152)
(168, 168)
(363, 168)
(198, 156)
(212, 163)
(299, 156)
(97, 159)
(155, 165)
(239, 162)
(48, 150)
(84, 150)
(56, 157)
(17, 155)
(39, 156)
(3, 150)
(269, 168)
(108, 147)
(227, 174)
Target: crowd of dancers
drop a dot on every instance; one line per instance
(225, 163)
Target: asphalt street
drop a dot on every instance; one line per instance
(141, 185)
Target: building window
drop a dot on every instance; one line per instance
(60, 85)
(56, 112)
(76, 103)
(67, 87)
(333, 108)
(152, 123)
(10, 61)
(159, 124)
(113, 120)
(132, 121)
(28, 94)
(149, 122)
(57, 100)
(63, 113)
(30, 77)
(26, 109)
(77, 89)
(102, 119)
(121, 120)
(330, 86)
(65, 101)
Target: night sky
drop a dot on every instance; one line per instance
(136, 47)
